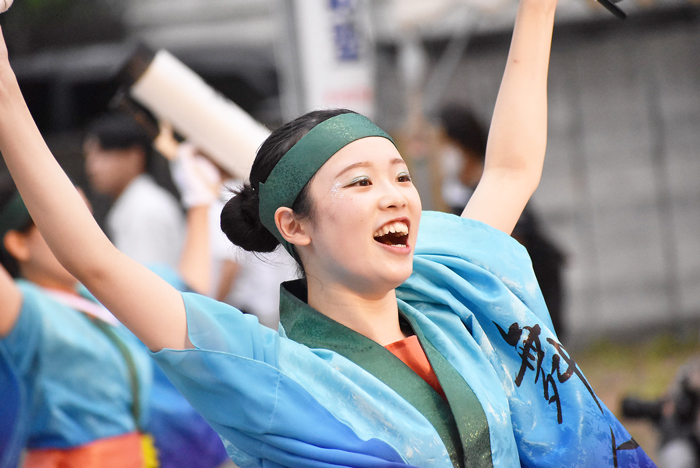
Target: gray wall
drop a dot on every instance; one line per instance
(621, 187)
(620, 190)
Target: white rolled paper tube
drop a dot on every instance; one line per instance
(207, 119)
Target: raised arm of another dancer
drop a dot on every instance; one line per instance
(518, 134)
(146, 304)
(199, 182)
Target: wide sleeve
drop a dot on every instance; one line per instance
(231, 375)
(490, 266)
(266, 418)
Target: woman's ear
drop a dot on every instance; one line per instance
(16, 245)
(292, 230)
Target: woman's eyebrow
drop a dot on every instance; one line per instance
(393, 162)
(353, 166)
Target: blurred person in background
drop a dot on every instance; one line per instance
(145, 221)
(464, 145)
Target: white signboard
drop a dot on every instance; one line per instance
(335, 54)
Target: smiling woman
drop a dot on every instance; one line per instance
(399, 346)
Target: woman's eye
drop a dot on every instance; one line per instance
(360, 182)
(404, 177)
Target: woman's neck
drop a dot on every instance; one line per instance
(375, 317)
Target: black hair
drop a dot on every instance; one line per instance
(463, 126)
(240, 218)
(119, 131)
(7, 193)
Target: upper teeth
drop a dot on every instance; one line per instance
(397, 227)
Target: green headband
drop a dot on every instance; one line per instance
(304, 159)
(13, 217)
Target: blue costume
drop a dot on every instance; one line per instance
(45, 362)
(52, 351)
(332, 398)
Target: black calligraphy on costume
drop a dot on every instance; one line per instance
(629, 445)
(533, 358)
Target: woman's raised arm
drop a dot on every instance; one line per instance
(151, 308)
(518, 133)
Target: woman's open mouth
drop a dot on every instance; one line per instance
(394, 234)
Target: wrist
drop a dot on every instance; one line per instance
(546, 7)
(198, 211)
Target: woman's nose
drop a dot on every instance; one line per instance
(392, 197)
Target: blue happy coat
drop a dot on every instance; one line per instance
(474, 299)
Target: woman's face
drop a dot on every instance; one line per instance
(110, 171)
(365, 218)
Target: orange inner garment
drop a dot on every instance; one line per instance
(113, 452)
(410, 352)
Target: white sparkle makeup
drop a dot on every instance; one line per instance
(336, 194)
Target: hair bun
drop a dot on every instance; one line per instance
(240, 221)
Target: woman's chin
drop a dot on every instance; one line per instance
(396, 278)
(379, 286)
